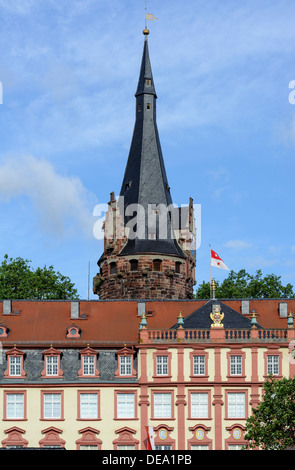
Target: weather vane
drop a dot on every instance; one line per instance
(148, 16)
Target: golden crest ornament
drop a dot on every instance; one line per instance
(217, 317)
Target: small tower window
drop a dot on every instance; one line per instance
(113, 268)
(148, 105)
(177, 267)
(157, 265)
(148, 82)
(139, 107)
(133, 265)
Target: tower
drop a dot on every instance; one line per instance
(148, 242)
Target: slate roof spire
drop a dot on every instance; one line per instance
(145, 180)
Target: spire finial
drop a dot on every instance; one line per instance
(145, 31)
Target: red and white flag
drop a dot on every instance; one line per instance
(216, 261)
(151, 438)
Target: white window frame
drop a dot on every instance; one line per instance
(162, 365)
(236, 365)
(52, 363)
(236, 405)
(15, 406)
(125, 447)
(273, 364)
(162, 405)
(199, 365)
(199, 405)
(52, 402)
(15, 366)
(125, 365)
(126, 405)
(88, 365)
(88, 406)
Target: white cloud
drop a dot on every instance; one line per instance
(62, 203)
(238, 244)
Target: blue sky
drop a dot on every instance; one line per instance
(222, 70)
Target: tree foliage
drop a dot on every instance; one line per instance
(245, 285)
(18, 281)
(272, 424)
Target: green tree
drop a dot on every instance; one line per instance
(272, 424)
(18, 281)
(245, 285)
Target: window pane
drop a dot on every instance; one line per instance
(15, 406)
(52, 365)
(199, 405)
(88, 365)
(199, 365)
(125, 365)
(15, 365)
(162, 405)
(126, 447)
(236, 365)
(125, 405)
(236, 405)
(273, 365)
(52, 405)
(88, 405)
(199, 447)
(162, 365)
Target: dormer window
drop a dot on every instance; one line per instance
(52, 363)
(73, 332)
(3, 331)
(15, 361)
(88, 363)
(148, 82)
(125, 363)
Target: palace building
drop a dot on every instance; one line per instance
(93, 374)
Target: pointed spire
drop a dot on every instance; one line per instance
(145, 81)
(145, 180)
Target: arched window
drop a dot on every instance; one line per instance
(157, 265)
(177, 267)
(133, 265)
(113, 268)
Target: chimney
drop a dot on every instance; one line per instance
(74, 310)
(245, 307)
(140, 308)
(283, 309)
(6, 307)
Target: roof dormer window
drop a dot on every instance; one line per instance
(73, 332)
(3, 331)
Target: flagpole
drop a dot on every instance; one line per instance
(210, 269)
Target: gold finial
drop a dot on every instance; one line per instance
(213, 285)
(146, 32)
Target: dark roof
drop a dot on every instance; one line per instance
(200, 318)
(145, 181)
(163, 247)
(145, 73)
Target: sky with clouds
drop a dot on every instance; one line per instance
(222, 71)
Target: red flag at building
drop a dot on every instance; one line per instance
(151, 439)
(216, 261)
